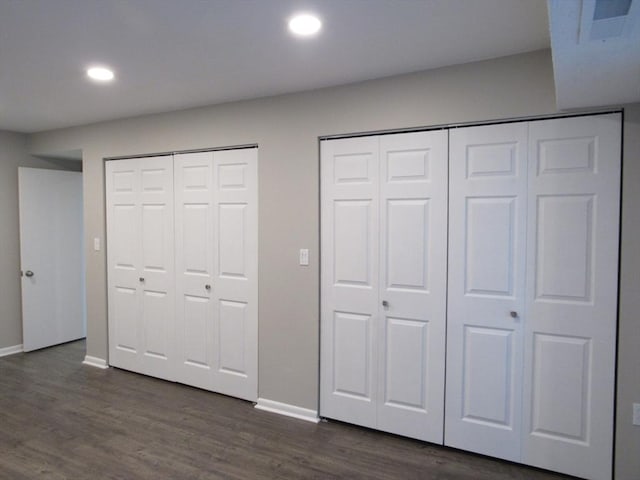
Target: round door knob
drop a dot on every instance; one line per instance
(207, 287)
(513, 314)
(28, 273)
(385, 304)
(141, 279)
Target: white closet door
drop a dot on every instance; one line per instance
(487, 234)
(349, 283)
(413, 281)
(122, 185)
(140, 264)
(572, 266)
(235, 272)
(194, 228)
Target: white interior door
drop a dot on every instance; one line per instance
(572, 268)
(196, 323)
(235, 272)
(487, 234)
(140, 261)
(194, 218)
(384, 209)
(52, 257)
(349, 283)
(413, 284)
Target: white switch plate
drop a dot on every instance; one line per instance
(96, 244)
(304, 256)
(636, 414)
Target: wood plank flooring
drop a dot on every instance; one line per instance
(60, 419)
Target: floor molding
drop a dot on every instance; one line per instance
(288, 410)
(10, 350)
(95, 362)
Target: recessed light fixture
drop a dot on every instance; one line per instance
(305, 24)
(100, 74)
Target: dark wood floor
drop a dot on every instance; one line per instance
(60, 419)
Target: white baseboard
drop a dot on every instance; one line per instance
(288, 410)
(95, 362)
(10, 350)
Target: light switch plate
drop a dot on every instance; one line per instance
(304, 256)
(96, 244)
(636, 414)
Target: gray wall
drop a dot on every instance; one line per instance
(13, 153)
(287, 130)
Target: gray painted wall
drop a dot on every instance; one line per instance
(287, 128)
(13, 154)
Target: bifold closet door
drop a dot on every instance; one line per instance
(383, 282)
(194, 226)
(487, 235)
(413, 286)
(533, 262)
(140, 257)
(216, 265)
(349, 284)
(572, 291)
(198, 323)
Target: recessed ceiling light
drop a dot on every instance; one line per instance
(305, 24)
(100, 74)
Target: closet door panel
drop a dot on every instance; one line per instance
(157, 278)
(123, 276)
(194, 340)
(349, 271)
(194, 268)
(122, 186)
(235, 272)
(488, 363)
(139, 194)
(413, 245)
(572, 266)
(487, 226)
(232, 330)
(123, 308)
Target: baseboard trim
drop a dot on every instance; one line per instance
(288, 410)
(10, 350)
(95, 362)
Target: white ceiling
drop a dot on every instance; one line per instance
(174, 54)
(590, 71)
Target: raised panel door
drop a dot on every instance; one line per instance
(139, 199)
(349, 280)
(234, 288)
(487, 233)
(572, 265)
(122, 185)
(194, 230)
(412, 319)
(157, 277)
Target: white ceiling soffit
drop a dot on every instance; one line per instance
(174, 54)
(596, 52)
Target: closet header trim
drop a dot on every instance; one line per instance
(451, 126)
(179, 152)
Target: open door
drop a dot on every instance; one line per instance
(52, 257)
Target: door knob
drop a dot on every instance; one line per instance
(513, 314)
(207, 287)
(28, 273)
(385, 304)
